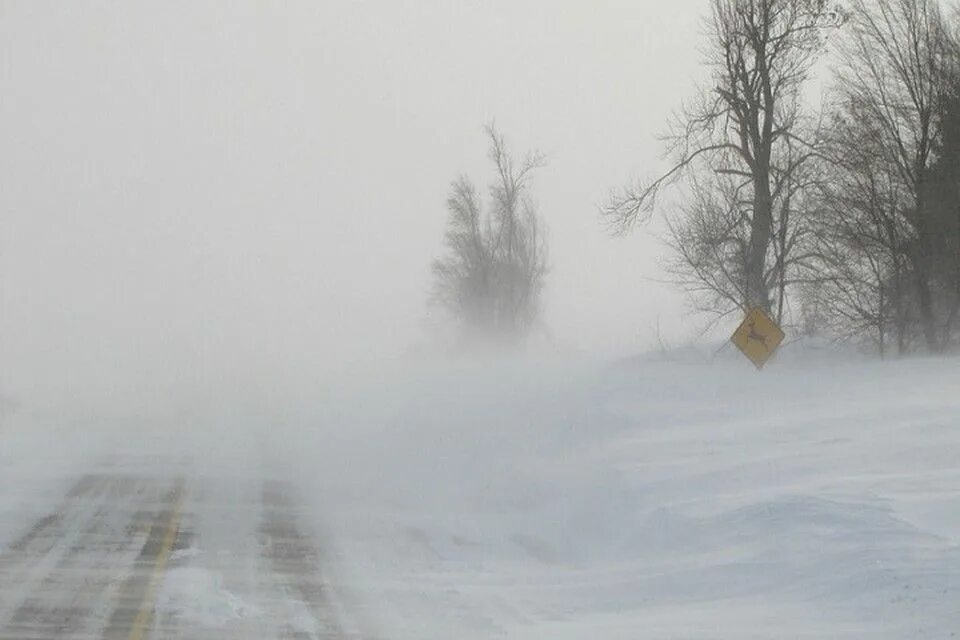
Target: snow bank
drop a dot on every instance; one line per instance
(695, 500)
(653, 498)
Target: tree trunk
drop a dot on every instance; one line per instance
(922, 272)
(760, 230)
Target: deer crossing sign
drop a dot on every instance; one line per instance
(758, 337)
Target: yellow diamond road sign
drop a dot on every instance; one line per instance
(758, 337)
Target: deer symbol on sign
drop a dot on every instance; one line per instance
(754, 335)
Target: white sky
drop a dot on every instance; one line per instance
(192, 187)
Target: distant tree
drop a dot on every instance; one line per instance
(743, 143)
(491, 279)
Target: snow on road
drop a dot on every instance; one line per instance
(158, 543)
(652, 499)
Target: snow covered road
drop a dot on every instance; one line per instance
(131, 556)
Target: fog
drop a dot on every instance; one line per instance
(199, 192)
(225, 410)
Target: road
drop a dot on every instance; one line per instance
(165, 552)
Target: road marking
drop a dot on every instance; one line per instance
(144, 614)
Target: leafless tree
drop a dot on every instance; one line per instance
(492, 277)
(747, 129)
(710, 244)
(857, 281)
(944, 196)
(711, 237)
(894, 83)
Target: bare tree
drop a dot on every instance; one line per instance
(894, 83)
(857, 281)
(747, 128)
(491, 279)
(710, 244)
(944, 197)
(463, 280)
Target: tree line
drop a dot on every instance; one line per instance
(839, 219)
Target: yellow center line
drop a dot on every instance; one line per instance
(142, 622)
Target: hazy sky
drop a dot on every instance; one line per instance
(192, 187)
